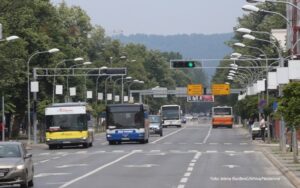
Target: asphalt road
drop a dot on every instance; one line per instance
(193, 156)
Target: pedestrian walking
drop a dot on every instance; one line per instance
(262, 125)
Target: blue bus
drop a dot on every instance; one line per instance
(126, 123)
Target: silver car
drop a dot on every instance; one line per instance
(155, 124)
(16, 166)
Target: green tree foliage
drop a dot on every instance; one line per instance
(259, 21)
(289, 104)
(42, 26)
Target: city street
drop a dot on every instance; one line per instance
(192, 156)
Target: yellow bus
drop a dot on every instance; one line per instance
(68, 124)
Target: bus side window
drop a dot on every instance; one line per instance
(88, 116)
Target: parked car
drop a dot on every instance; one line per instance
(155, 124)
(256, 131)
(16, 166)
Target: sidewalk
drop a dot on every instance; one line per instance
(283, 161)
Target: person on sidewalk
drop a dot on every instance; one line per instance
(262, 124)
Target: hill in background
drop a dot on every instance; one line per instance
(194, 46)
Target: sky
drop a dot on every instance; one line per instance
(162, 17)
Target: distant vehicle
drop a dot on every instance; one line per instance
(171, 115)
(16, 166)
(155, 124)
(188, 117)
(256, 131)
(183, 120)
(222, 116)
(68, 124)
(127, 122)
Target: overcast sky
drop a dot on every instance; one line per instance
(163, 17)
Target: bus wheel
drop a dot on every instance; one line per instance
(85, 145)
(52, 146)
(91, 144)
(230, 127)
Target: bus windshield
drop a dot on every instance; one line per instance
(170, 113)
(222, 111)
(71, 122)
(122, 118)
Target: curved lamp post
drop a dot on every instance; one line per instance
(85, 78)
(8, 39)
(272, 1)
(53, 50)
(85, 63)
(59, 63)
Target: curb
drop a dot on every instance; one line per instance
(284, 170)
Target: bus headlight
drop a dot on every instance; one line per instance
(84, 138)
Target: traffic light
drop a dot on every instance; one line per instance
(183, 64)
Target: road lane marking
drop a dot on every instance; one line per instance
(213, 143)
(183, 180)
(71, 165)
(243, 143)
(55, 158)
(118, 151)
(50, 174)
(41, 154)
(96, 170)
(208, 134)
(44, 161)
(227, 143)
(231, 166)
(190, 169)
(168, 135)
(211, 151)
(81, 152)
(192, 164)
(141, 166)
(155, 151)
(249, 151)
(198, 143)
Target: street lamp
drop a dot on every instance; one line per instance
(53, 50)
(271, 1)
(114, 83)
(85, 63)
(85, 78)
(61, 62)
(251, 8)
(8, 39)
(129, 85)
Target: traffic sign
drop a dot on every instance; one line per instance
(160, 92)
(220, 89)
(195, 89)
(202, 98)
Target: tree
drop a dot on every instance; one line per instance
(289, 107)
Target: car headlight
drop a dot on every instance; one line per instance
(20, 167)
